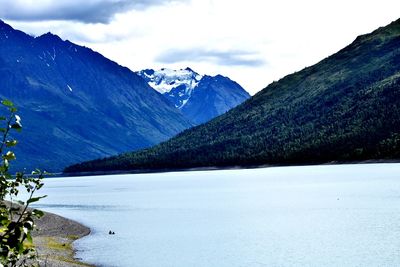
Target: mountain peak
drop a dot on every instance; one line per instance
(165, 80)
(199, 97)
(148, 71)
(65, 80)
(49, 37)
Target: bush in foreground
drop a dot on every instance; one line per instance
(16, 219)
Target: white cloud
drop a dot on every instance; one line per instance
(285, 35)
(229, 58)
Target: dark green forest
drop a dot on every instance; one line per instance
(345, 108)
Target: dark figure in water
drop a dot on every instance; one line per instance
(111, 233)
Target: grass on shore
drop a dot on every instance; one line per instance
(57, 251)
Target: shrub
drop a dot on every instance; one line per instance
(16, 218)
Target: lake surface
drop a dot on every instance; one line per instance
(344, 215)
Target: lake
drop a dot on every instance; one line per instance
(331, 215)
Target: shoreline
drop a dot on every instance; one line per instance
(54, 239)
(217, 168)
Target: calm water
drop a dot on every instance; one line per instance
(345, 215)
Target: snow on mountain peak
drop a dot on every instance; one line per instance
(176, 83)
(164, 80)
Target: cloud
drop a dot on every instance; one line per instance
(224, 58)
(87, 11)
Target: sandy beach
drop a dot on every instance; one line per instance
(53, 240)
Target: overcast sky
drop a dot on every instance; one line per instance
(254, 42)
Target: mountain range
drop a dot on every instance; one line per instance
(78, 105)
(344, 108)
(199, 97)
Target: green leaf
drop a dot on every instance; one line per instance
(9, 156)
(7, 103)
(35, 199)
(28, 225)
(16, 126)
(11, 143)
(38, 213)
(29, 238)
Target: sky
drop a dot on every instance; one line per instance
(254, 42)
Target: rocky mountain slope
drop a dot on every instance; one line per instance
(76, 104)
(199, 97)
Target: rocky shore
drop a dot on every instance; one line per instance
(53, 240)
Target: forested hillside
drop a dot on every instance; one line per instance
(346, 107)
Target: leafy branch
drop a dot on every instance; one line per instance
(16, 221)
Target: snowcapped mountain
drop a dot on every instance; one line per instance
(199, 97)
(77, 105)
(178, 85)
